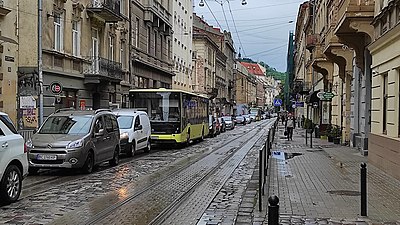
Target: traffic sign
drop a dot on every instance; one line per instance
(320, 95)
(56, 87)
(300, 104)
(328, 95)
(277, 102)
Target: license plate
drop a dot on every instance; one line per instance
(46, 157)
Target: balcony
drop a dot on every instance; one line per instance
(212, 92)
(3, 10)
(156, 13)
(101, 69)
(354, 15)
(107, 10)
(311, 41)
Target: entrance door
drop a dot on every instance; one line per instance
(96, 101)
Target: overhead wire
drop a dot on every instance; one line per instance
(213, 14)
(237, 33)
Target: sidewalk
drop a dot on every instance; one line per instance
(321, 185)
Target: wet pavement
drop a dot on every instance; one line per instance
(215, 182)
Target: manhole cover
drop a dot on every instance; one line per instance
(345, 192)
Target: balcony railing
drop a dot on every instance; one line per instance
(103, 69)
(109, 10)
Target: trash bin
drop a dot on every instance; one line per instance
(316, 130)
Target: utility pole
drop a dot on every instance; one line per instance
(40, 63)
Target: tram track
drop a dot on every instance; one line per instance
(225, 151)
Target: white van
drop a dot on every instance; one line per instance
(134, 129)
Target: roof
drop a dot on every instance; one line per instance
(130, 112)
(253, 68)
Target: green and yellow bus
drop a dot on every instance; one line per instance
(176, 116)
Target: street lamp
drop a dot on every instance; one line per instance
(201, 4)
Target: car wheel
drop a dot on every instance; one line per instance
(148, 146)
(33, 170)
(10, 186)
(89, 163)
(131, 150)
(115, 160)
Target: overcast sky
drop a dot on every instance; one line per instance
(262, 26)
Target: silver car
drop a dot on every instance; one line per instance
(75, 139)
(229, 124)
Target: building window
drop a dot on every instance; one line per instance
(58, 32)
(385, 103)
(122, 55)
(76, 38)
(155, 44)
(137, 33)
(111, 48)
(148, 40)
(122, 6)
(161, 47)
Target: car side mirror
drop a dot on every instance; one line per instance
(139, 127)
(100, 133)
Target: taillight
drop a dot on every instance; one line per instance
(25, 148)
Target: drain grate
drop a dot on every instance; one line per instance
(345, 192)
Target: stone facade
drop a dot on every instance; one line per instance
(91, 50)
(182, 44)
(384, 140)
(9, 58)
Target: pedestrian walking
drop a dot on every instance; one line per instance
(283, 119)
(302, 120)
(290, 126)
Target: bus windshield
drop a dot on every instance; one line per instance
(160, 106)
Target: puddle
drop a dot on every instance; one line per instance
(284, 155)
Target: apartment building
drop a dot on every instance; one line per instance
(384, 139)
(151, 44)
(340, 64)
(182, 44)
(93, 52)
(8, 58)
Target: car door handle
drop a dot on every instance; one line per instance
(4, 145)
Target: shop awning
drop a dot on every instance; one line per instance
(312, 97)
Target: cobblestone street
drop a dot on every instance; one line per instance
(318, 185)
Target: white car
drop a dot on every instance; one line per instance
(135, 130)
(13, 161)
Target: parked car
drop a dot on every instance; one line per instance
(135, 130)
(212, 126)
(75, 139)
(13, 161)
(222, 124)
(248, 118)
(229, 124)
(240, 120)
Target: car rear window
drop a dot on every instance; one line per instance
(7, 121)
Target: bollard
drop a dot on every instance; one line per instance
(363, 189)
(273, 210)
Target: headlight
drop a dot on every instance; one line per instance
(29, 143)
(75, 144)
(124, 135)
